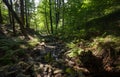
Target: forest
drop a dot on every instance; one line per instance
(59, 38)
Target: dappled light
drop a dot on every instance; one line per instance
(59, 38)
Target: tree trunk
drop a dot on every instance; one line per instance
(63, 5)
(50, 5)
(17, 18)
(57, 12)
(46, 20)
(12, 19)
(1, 20)
(22, 11)
(55, 9)
(26, 15)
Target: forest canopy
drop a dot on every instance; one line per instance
(66, 17)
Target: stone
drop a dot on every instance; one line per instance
(58, 75)
(49, 70)
(57, 71)
(41, 66)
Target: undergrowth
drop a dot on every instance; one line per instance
(96, 45)
(12, 48)
(107, 42)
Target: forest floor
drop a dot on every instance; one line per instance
(44, 60)
(47, 58)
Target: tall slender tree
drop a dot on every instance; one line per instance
(22, 11)
(1, 20)
(12, 19)
(63, 9)
(17, 18)
(46, 18)
(51, 21)
(26, 14)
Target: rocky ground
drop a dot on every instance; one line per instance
(48, 59)
(45, 60)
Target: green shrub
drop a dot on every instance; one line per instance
(9, 47)
(74, 50)
(107, 42)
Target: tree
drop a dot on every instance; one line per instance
(46, 17)
(11, 16)
(51, 21)
(57, 12)
(16, 17)
(63, 9)
(26, 14)
(22, 11)
(1, 20)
